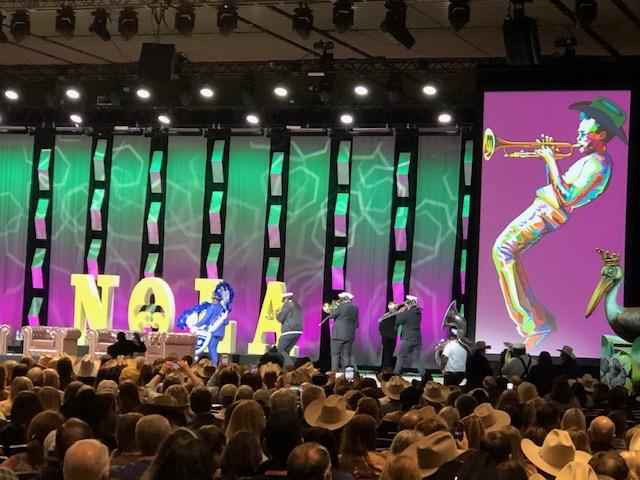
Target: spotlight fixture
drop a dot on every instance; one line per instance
(128, 23)
(143, 93)
(280, 91)
(395, 22)
(11, 94)
(164, 119)
(444, 118)
(99, 24)
(75, 118)
(253, 119)
(65, 21)
(343, 15)
(206, 91)
(72, 93)
(227, 17)
(586, 12)
(459, 14)
(302, 20)
(361, 90)
(346, 118)
(20, 25)
(185, 18)
(429, 90)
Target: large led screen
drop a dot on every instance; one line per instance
(545, 209)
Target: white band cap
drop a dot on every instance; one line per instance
(287, 295)
(411, 298)
(345, 295)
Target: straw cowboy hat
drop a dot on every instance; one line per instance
(435, 393)
(491, 419)
(427, 412)
(270, 367)
(577, 471)
(44, 360)
(394, 387)
(568, 350)
(433, 451)
(330, 413)
(87, 366)
(120, 361)
(588, 382)
(556, 452)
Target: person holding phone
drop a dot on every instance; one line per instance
(290, 316)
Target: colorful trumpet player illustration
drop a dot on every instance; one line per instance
(600, 121)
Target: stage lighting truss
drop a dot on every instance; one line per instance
(227, 17)
(99, 24)
(459, 14)
(302, 20)
(65, 21)
(3, 36)
(128, 23)
(20, 25)
(343, 15)
(185, 18)
(394, 22)
(586, 12)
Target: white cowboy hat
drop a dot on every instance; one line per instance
(87, 366)
(433, 451)
(556, 452)
(577, 471)
(491, 419)
(394, 387)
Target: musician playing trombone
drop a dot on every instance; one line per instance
(601, 120)
(408, 323)
(343, 331)
(290, 316)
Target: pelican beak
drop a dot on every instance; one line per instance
(604, 286)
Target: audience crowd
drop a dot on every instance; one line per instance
(126, 418)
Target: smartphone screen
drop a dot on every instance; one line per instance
(224, 360)
(458, 431)
(254, 369)
(509, 386)
(349, 373)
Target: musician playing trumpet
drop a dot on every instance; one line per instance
(343, 331)
(389, 333)
(290, 316)
(408, 322)
(601, 120)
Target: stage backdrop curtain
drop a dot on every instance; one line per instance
(369, 239)
(434, 237)
(16, 157)
(309, 161)
(127, 194)
(186, 170)
(68, 223)
(245, 230)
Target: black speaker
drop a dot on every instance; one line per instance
(521, 41)
(157, 61)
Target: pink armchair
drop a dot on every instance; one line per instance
(5, 333)
(99, 340)
(161, 345)
(52, 341)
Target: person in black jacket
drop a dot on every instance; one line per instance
(543, 373)
(388, 332)
(477, 366)
(568, 365)
(409, 322)
(126, 347)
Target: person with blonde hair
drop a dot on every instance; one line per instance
(580, 439)
(401, 468)
(474, 430)
(404, 439)
(50, 378)
(248, 416)
(515, 439)
(18, 384)
(573, 418)
(50, 398)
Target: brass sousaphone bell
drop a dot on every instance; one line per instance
(491, 144)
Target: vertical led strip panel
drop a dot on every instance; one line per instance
(341, 215)
(16, 171)
(36, 283)
(214, 207)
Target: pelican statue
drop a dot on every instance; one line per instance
(625, 322)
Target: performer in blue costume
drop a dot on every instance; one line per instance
(209, 329)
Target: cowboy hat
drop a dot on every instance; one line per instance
(577, 471)
(44, 361)
(607, 113)
(427, 412)
(394, 387)
(567, 350)
(491, 419)
(556, 451)
(433, 451)
(87, 366)
(330, 413)
(270, 367)
(435, 393)
(588, 382)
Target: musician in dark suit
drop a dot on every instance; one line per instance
(388, 332)
(409, 321)
(343, 332)
(290, 316)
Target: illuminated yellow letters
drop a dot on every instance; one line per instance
(141, 298)
(267, 322)
(93, 309)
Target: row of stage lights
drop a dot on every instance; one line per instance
(252, 118)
